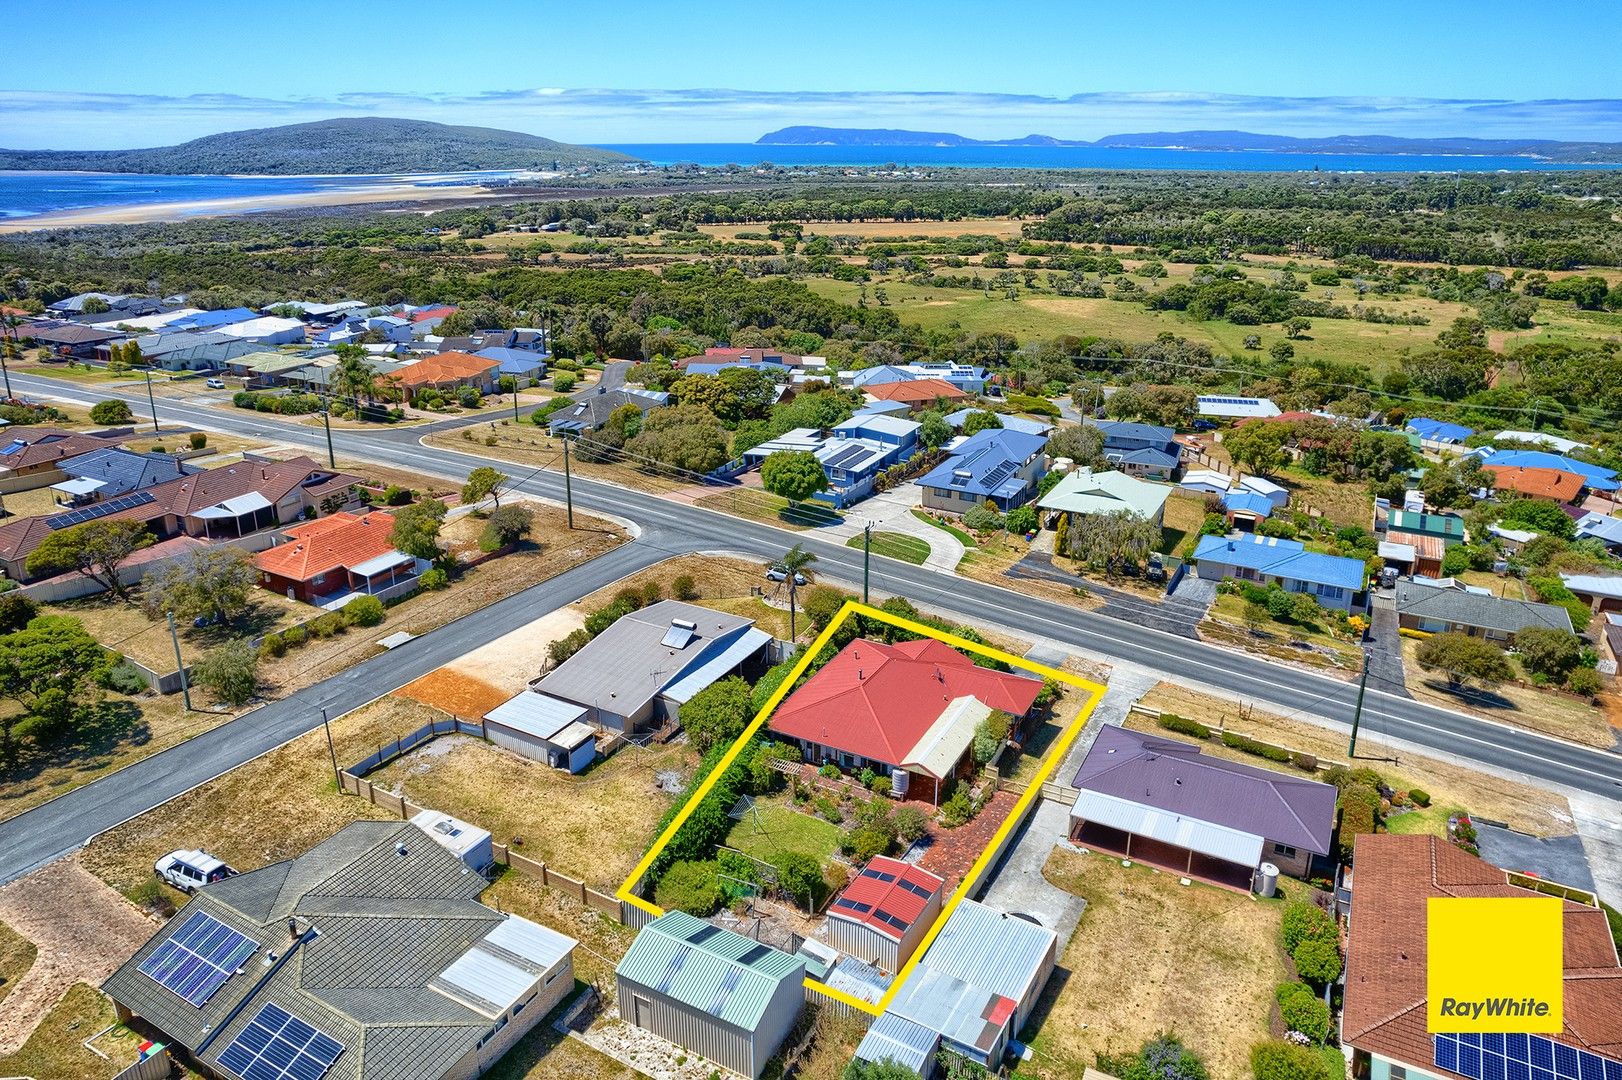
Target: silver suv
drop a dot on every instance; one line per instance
(189, 871)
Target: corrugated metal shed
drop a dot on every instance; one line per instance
(991, 949)
(966, 1014)
(538, 715)
(895, 1038)
(1204, 837)
(707, 968)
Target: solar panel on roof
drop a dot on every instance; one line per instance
(757, 953)
(846, 456)
(276, 1045)
(198, 958)
(916, 889)
(98, 510)
(885, 917)
(853, 905)
(879, 874)
(703, 934)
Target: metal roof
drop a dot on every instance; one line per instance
(1283, 559)
(942, 746)
(1205, 837)
(452, 834)
(235, 506)
(573, 735)
(895, 1038)
(539, 715)
(379, 563)
(992, 949)
(495, 972)
(1235, 406)
(966, 1014)
(1084, 491)
(714, 668)
(81, 485)
(705, 967)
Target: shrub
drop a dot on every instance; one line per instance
(1585, 681)
(1251, 746)
(1173, 722)
(958, 810)
(125, 678)
(230, 673)
(691, 887)
(1276, 1059)
(1303, 1011)
(198, 440)
(328, 625)
(1419, 797)
(911, 823)
(395, 495)
(828, 809)
(829, 772)
(683, 588)
(1317, 960)
(866, 841)
(821, 604)
(1305, 921)
(273, 645)
(364, 611)
(110, 412)
(433, 580)
(563, 382)
(983, 519)
(295, 636)
(16, 612)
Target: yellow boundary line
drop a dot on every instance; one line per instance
(1055, 754)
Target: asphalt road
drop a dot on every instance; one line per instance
(667, 528)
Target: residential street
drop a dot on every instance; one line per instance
(667, 528)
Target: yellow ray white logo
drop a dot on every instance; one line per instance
(1494, 964)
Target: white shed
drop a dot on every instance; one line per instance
(545, 728)
(467, 842)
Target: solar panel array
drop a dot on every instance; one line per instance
(846, 456)
(890, 920)
(276, 1045)
(853, 905)
(1231, 400)
(878, 875)
(198, 959)
(917, 889)
(1521, 1057)
(998, 475)
(98, 510)
(756, 953)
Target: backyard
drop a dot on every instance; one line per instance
(775, 827)
(55, 1050)
(1203, 965)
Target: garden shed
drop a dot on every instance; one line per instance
(884, 912)
(545, 728)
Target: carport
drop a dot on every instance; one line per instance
(1182, 845)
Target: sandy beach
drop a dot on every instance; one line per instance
(179, 211)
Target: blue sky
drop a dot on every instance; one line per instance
(110, 74)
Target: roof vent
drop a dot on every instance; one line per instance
(400, 850)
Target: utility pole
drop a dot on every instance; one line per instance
(867, 556)
(1357, 713)
(568, 483)
(150, 400)
(326, 422)
(180, 665)
(332, 752)
(5, 354)
(515, 398)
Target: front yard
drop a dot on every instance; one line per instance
(1151, 956)
(1311, 643)
(1547, 711)
(55, 1051)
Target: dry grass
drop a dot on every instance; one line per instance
(833, 1048)
(1525, 707)
(1007, 228)
(530, 446)
(36, 503)
(16, 957)
(1204, 962)
(1450, 786)
(55, 1051)
(125, 628)
(1310, 644)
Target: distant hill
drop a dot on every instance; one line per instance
(1549, 149)
(349, 145)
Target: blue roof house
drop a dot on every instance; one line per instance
(997, 464)
(852, 456)
(1438, 431)
(521, 364)
(1246, 509)
(1009, 421)
(1140, 449)
(1334, 581)
(896, 431)
(1602, 527)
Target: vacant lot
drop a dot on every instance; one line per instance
(16, 957)
(1197, 961)
(124, 627)
(1451, 787)
(1519, 706)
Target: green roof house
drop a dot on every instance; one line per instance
(719, 994)
(1448, 528)
(1084, 491)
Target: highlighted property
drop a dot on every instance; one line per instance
(973, 877)
(1494, 964)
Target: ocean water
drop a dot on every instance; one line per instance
(1077, 157)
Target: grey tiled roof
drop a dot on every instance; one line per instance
(122, 471)
(1450, 603)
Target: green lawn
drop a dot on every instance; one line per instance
(779, 829)
(962, 537)
(1431, 821)
(1185, 514)
(896, 545)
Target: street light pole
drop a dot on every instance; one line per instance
(180, 665)
(1357, 713)
(150, 399)
(867, 556)
(515, 398)
(332, 752)
(326, 422)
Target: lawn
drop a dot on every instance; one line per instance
(1180, 530)
(16, 957)
(966, 539)
(779, 828)
(56, 1052)
(1520, 706)
(896, 546)
(1203, 965)
(1522, 806)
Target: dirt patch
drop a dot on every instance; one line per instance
(82, 930)
(512, 660)
(456, 693)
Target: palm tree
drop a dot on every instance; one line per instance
(352, 378)
(793, 561)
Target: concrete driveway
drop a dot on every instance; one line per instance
(891, 511)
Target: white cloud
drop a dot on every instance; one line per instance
(81, 121)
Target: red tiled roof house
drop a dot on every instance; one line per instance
(335, 556)
(912, 706)
(450, 371)
(884, 912)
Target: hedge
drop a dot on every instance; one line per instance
(1251, 746)
(1419, 797)
(1183, 726)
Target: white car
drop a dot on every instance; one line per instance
(189, 871)
(216, 384)
(777, 573)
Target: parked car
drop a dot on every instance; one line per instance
(189, 871)
(1203, 425)
(777, 573)
(216, 384)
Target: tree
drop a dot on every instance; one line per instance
(50, 668)
(213, 583)
(229, 672)
(717, 714)
(97, 549)
(691, 887)
(1463, 658)
(799, 875)
(483, 483)
(684, 437)
(933, 432)
(1443, 487)
(1081, 443)
(506, 527)
(822, 605)
(1276, 1059)
(16, 611)
(795, 475)
(113, 411)
(884, 1069)
(1546, 650)
(981, 420)
(795, 560)
(1281, 351)
(353, 377)
(1111, 541)
(1258, 446)
(1540, 516)
(1295, 327)
(416, 528)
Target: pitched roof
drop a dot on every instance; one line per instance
(593, 410)
(1439, 430)
(121, 471)
(879, 700)
(1010, 422)
(1175, 777)
(1447, 526)
(1384, 1008)
(1541, 482)
(274, 480)
(887, 896)
(54, 333)
(446, 367)
(390, 926)
(1117, 431)
(1247, 502)
(710, 969)
(23, 448)
(1282, 558)
(19, 536)
(1452, 602)
(987, 463)
(1601, 526)
(1085, 491)
(1594, 476)
(338, 540)
(916, 391)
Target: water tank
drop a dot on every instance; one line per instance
(899, 778)
(1266, 880)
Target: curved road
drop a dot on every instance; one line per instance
(668, 528)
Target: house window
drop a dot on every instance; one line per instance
(1398, 1072)
(1284, 851)
(1331, 592)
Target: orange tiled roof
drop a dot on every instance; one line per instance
(445, 367)
(1542, 483)
(1385, 969)
(916, 391)
(338, 540)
